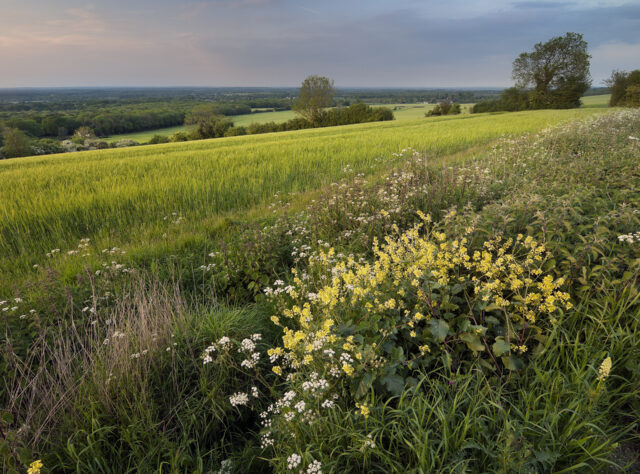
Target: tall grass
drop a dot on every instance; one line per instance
(116, 195)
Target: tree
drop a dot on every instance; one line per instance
(15, 143)
(82, 134)
(214, 127)
(316, 93)
(625, 88)
(444, 108)
(557, 71)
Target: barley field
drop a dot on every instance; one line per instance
(113, 195)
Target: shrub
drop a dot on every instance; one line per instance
(625, 88)
(511, 100)
(179, 137)
(46, 146)
(158, 139)
(444, 108)
(82, 135)
(214, 127)
(15, 143)
(235, 131)
(125, 142)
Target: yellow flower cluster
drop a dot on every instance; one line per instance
(35, 467)
(417, 281)
(364, 409)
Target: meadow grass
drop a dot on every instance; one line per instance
(601, 100)
(417, 110)
(134, 391)
(263, 117)
(145, 136)
(111, 196)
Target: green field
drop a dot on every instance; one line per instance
(263, 117)
(113, 195)
(143, 137)
(596, 100)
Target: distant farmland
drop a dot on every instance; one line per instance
(400, 111)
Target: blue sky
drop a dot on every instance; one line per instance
(371, 43)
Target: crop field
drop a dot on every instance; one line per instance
(111, 196)
(415, 111)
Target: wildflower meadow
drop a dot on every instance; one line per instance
(453, 294)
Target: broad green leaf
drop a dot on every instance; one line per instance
(439, 329)
(394, 383)
(473, 342)
(512, 362)
(500, 348)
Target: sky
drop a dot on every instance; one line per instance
(358, 43)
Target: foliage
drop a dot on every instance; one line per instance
(316, 93)
(625, 88)
(83, 134)
(511, 100)
(158, 139)
(356, 113)
(15, 143)
(444, 108)
(211, 127)
(557, 71)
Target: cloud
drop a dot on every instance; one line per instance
(614, 55)
(279, 42)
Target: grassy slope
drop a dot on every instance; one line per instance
(114, 196)
(574, 189)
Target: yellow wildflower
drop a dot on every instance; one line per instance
(364, 409)
(34, 467)
(604, 370)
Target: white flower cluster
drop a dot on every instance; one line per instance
(293, 461)
(224, 343)
(630, 238)
(226, 467)
(315, 383)
(314, 468)
(248, 346)
(114, 250)
(369, 442)
(239, 398)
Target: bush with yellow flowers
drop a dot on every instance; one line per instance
(426, 299)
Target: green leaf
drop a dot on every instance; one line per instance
(394, 383)
(500, 348)
(439, 329)
(512, 362)
(492, 321)
(365, 384)
(473, 342)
